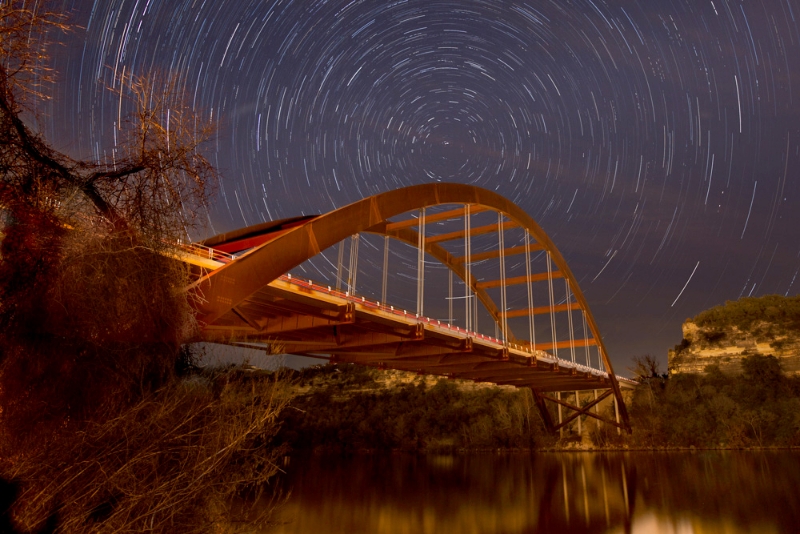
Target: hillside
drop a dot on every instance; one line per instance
(725, 334)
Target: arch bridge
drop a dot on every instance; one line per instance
(460, 282)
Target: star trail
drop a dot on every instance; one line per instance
(657, 143)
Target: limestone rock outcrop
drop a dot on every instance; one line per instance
(725, 334)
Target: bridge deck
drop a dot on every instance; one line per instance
(304, 318)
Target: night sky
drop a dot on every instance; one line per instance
(657, 143)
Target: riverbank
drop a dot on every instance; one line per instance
(346, 409)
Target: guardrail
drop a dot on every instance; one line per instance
(363, 301)
(207, 252)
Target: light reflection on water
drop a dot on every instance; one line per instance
(702, 492)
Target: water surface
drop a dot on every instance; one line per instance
(715, 491)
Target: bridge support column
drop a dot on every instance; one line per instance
(543, 411)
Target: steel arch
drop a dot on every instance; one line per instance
(221, 290)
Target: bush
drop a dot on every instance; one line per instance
(754, 408)
(173, 462)
(347, 411)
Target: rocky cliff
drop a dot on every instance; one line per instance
(725, 334)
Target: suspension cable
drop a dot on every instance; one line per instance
(351, 279)
(340, 266)
(385, 268)
(586, 340)
(468, 269)
(503, 303)
(552, 304)
(531, 326)
(450, 298)
(569, 318)
(421, 263)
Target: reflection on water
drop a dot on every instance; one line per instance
(732, 492)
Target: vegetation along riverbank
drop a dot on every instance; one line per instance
(346, 408)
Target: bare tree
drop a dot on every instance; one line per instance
(94, 427)
(158, 177)
(89, 293)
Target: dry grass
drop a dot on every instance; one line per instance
(174, 462)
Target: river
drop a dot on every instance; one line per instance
(641, 492)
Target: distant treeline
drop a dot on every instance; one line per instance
(346, 408)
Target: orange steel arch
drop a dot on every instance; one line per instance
(224, 288)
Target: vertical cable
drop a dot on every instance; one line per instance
(474, 300)
(467, 269)
(531, 326)
(586, 339)
(552, 304)
(385, 269)
(340, 266)
(503, 303)
(351, 278)
(569, 317)
(450, 298)
(421, 263)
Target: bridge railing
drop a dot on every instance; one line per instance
(436, 323)
(206, 252)
(210, 253)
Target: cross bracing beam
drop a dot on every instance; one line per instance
(578, 411)
(478, 230)
(538, 277)
(566, 344)
(437, 217)
(539, 310)
(491, 254)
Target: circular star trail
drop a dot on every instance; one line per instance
(656, 142)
